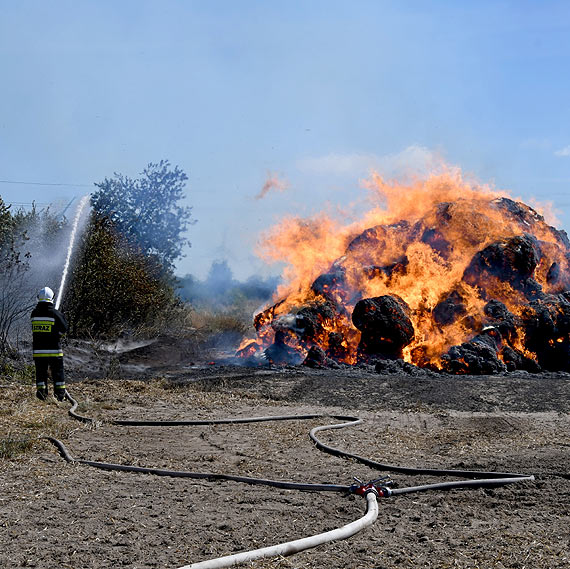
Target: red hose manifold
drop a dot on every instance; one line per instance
(378, 486)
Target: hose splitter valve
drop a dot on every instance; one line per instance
(378, 486)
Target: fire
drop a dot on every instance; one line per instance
(435, 272)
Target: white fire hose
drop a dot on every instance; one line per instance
(297, 545)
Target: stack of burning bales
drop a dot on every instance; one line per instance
(476, 285)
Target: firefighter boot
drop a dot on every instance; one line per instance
(42, 393)
(59, 394)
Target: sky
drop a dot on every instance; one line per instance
(276, 108)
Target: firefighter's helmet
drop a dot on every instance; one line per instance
(45, 295)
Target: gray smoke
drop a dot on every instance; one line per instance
(221, 290)
(43, 246)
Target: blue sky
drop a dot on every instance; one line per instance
(315, 93)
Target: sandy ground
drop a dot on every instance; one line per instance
(55, 514)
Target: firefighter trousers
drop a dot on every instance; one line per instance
(56, 366)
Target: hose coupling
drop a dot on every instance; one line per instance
(378, 487)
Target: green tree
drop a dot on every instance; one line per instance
(146, 210)
(14, 288)
(43, 239)
(6, 223)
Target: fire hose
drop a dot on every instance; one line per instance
(370, 490)
(298, 545)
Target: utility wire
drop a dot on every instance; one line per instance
(45, 183)
(28, 203)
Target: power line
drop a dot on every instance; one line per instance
(45, 184)
(28, 203)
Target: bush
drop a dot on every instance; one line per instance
(116, 288)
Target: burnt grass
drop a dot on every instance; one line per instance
(55, 514)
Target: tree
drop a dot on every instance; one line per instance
(146, 210)
(15, 294)
(14, 289)
(6, 223)
(43, 238)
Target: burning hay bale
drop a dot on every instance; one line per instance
(280, 353)
(547, 331)
(463, 282)
(449, 309)
(511, 261)
(317, 358)
(480, 355)
(385, 326)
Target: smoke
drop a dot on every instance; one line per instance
(44, 248)
(547, 209)
(223, 307)
(272, 183)
(414, 160)
(220, 290)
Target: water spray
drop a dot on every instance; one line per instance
(80, 208)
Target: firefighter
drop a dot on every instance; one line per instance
(48, 324)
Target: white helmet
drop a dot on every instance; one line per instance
(45, 295)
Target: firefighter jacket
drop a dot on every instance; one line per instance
(48, 324)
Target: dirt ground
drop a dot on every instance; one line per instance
(55, 514)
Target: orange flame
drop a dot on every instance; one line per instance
(415, 242)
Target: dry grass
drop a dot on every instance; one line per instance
(12, 446)
(214, 322)
(225, 325)
(24, 420)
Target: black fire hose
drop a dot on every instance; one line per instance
(72, 411)
(403, 469)
(482, 478)
(198, 475)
